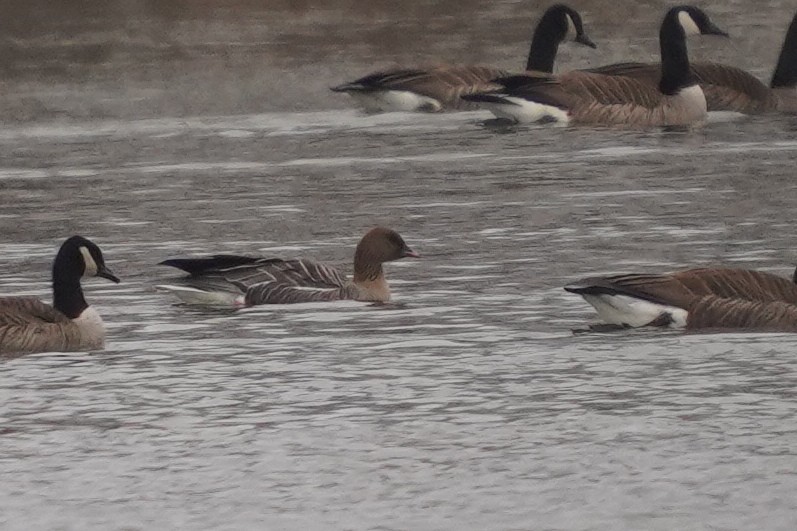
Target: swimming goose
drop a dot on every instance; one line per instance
(692, 299)
(584, 97)
(439, 88)
(223, 280)
(29, 325)
(728, 88)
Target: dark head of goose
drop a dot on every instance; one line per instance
(381, 245)
(567, 25)
(694, 21)
(80, 257)
(679, 23)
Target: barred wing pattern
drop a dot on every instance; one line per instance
(275, 281)
(727, 88)
(592, 98)
(29, 325)
(446, 84)
(712, 312)
(680, 289)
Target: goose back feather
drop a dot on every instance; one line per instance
(712, 312)
(726, 88)
(673, 299)
(442, 87)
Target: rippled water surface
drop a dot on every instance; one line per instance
(468, 404)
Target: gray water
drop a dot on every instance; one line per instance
(470, 403)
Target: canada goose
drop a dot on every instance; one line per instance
(591, 98)
(695, 298)
(29, 325)
(728, 88)
(439, 88)
(223, 280)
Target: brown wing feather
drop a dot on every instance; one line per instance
(29, 325)
(742, 284)
(447, 84)
(592, 98)
(682, 288)
(728, 88)
(712, 312)
(276, 281)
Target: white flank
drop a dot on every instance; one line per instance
(395, 101)
(526, 112)
(92, 329)
(688, 23)
(629, 311)
(198, 297)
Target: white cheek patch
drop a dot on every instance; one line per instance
(571, 29)
(688, 23)
(88, 261)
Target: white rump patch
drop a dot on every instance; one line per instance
(629, 311)
(90, 266)
(527, 112)
(688, 23)
(572, 33)
(198, 297)
(395, 101)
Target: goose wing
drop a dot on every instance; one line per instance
(681, 289)
(646, 72)
(29, 325)
(443, 83)
(728, 88)
(291, 281)
(577, 89)
(742, 284)
(712, 312)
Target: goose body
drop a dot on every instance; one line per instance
(440, 87)
(693, 299)
(728, 88)
(29, 325)
(223, 280)
(592, 97)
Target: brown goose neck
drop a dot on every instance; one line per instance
(366, 270)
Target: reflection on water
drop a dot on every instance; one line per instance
(469, 404)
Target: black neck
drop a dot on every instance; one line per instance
(675, 71)
(68, 295)
(544, 45)
(786, 72)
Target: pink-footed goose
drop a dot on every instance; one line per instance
(230, 280)
(728, 88)
(695, 299)
(583, 97)
(439, 88)
(29, 325)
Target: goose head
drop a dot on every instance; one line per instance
(80, 257)
(694, 21)
(381, 245)
(566, 23)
